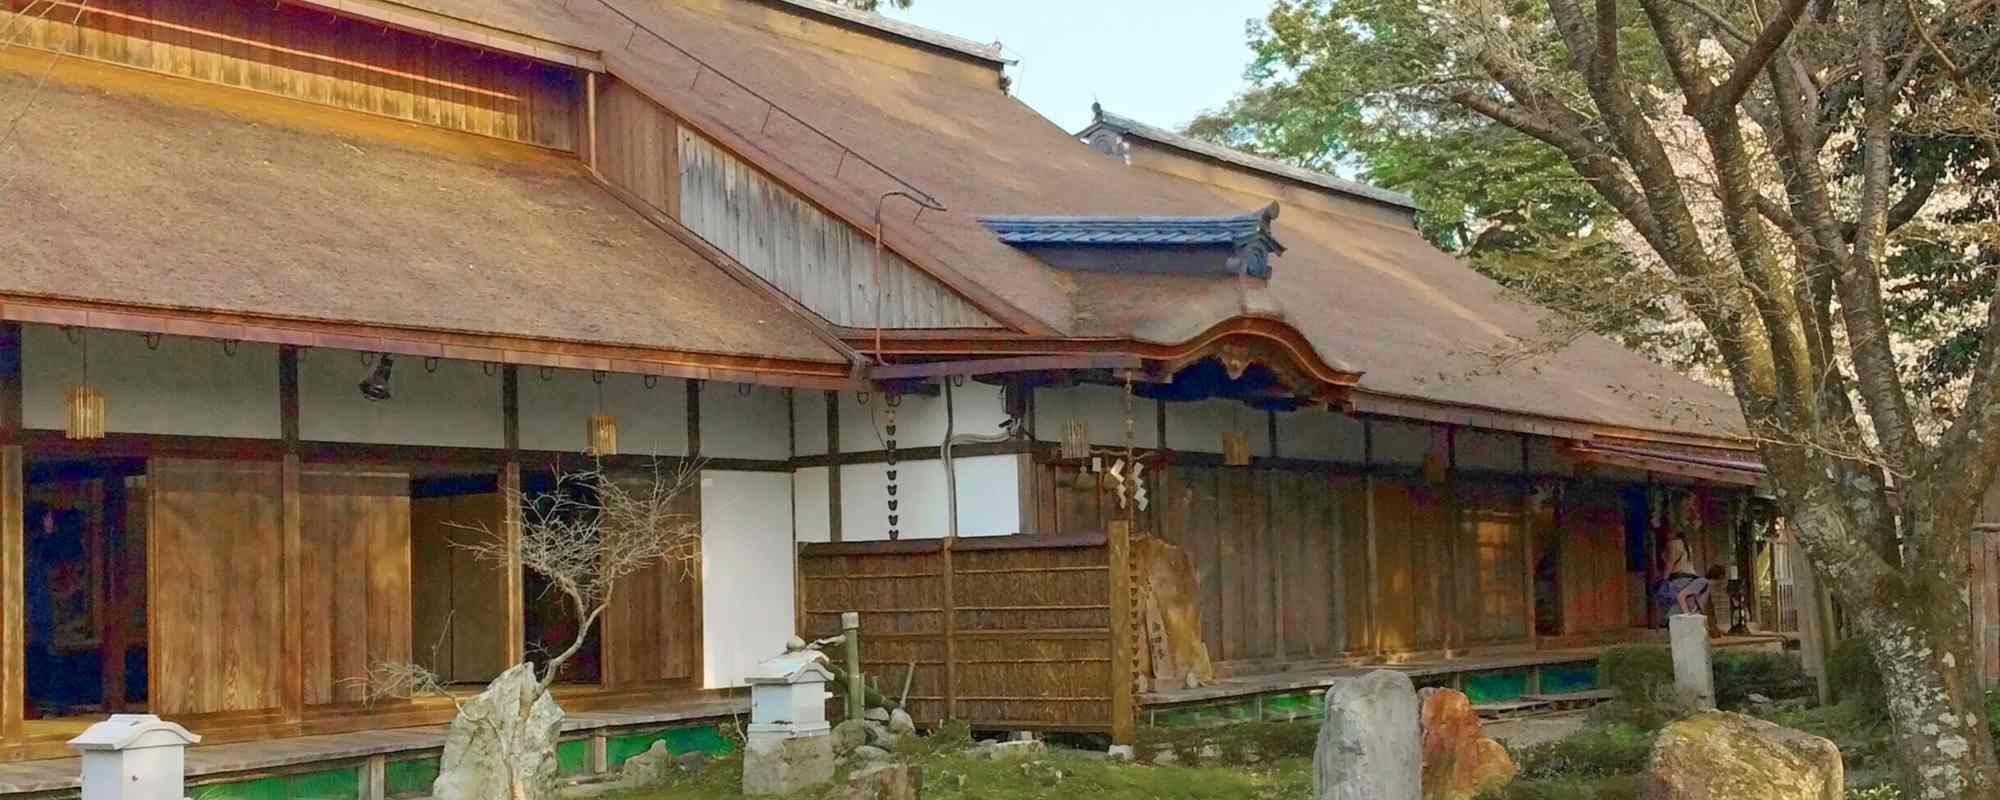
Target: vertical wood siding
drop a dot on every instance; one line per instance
(316, 57)
(216, 594)
(651, 631)
(1592, 560)
(638, 146)
(460, 603)
(356, 532)
(816, 259)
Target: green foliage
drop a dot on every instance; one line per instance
(1234, 744)
(1861, 732)
(1636, 670)
(1620, 787)
(1853, 677)
(1594, 752)
(1774, 675)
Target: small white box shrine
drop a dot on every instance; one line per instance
(134, 757)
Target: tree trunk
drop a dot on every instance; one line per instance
(1936, 707)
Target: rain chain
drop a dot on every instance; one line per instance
(889, 444)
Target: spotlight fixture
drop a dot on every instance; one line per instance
(376, 386)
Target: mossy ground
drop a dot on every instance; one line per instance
(951, 772)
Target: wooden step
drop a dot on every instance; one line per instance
(1508, 709)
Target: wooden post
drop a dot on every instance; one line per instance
(10, 380)
(13, 594)
(1530, 535)
(1374, 572)
(291, 655)
(947, 573)
(833, 466)
(514, 636)
(590, 114)
(1124, 702)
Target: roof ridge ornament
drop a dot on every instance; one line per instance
(1234, 244)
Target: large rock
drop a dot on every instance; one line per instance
(773, 764)
(1460, 762)
(1715, 755)
(881, 782)
(502, 740)
(1369, 746)
(651, 768)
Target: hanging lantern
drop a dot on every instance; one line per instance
(1235, 449)
(601, 430)
(603, 435)
(83, 413)
(83, 407)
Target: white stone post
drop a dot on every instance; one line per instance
(134, 757)
(1694, 673)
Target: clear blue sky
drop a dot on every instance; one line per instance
(1158, 62)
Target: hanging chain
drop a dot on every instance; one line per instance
(889, 443)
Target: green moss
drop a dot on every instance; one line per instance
(1594, 752)
(956, 775)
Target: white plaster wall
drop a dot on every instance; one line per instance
(809, 415)
(746, 564)
(1498, 452)
(1100, 407)
(989, 498)
(187, 387)
(745, 421)
(920, 421)
(1400, 442)
(457, 406)
(1317, 433)
(1198, 426)
(811, 505)
(554, 412)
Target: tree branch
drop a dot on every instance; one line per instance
(1768, 43)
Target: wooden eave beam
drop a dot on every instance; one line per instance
(1667, 466)
(1377, 404)
(426, 343)
(1001, 366)
(444, 26)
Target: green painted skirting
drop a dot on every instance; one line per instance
(705, 738)
(332, 784)
(1494, 687)
(410, 777)
(1569, 678)
(573, 757)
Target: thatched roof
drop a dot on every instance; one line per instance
(127, 189)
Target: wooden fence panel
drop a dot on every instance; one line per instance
(1020, 641)
(1493, 597)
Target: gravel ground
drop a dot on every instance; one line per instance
(1531, 731)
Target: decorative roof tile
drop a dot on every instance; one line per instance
(1246, 237)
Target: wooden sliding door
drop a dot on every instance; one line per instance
(215, 575)
(355, 526)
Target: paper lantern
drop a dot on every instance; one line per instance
(603, 431)
(1235, 449)
(83, 413)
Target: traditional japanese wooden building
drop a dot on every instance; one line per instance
(915, 334)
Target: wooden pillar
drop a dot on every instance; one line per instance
(13, 549)
(13, 595)
(1530, 535)
(590, 115)
(1124, 699)
(514, 615)
(947, 571)
(1374, 633)
(833, 466)
(291, 656)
